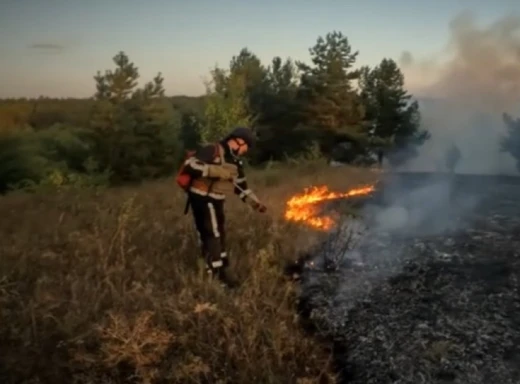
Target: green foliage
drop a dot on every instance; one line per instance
(136, 129)
(189, 105)
(330, 102)
(191, 130)
(511, 142)
(226, 105)
(279, 126)
(57, 179)
(57, 157)
(130, 132)
(70, 146)
(394, 119)
(248, 68)
(21, 158)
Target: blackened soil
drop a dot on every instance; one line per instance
(438, 306)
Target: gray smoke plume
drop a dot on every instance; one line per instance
(463, 97)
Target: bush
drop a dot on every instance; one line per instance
(21, 158)
(58, 157)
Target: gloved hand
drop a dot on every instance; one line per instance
(259, 207)
(220, 172)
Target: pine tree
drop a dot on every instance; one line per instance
(394, 118)
(282, 80)
(327, 95)
(278, 133)
(136, 127)
(226, 105)
(247, 66)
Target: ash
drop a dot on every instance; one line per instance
(435, 302)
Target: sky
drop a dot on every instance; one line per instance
(55, 47)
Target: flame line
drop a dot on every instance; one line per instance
(302, 207)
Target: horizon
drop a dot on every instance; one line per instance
(55, 50)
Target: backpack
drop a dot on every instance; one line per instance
(184, 179)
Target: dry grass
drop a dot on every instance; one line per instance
(107, 288)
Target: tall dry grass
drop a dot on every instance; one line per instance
(107, 287)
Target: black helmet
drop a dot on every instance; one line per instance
(243, 133)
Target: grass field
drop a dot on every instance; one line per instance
(107, 287)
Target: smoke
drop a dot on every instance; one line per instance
(464, 91)
(390, 233)
(423, 206)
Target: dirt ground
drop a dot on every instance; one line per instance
(429, 292)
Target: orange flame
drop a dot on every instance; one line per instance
(302, 207)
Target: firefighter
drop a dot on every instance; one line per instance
(216, 170)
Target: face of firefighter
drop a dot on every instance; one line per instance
(238, 146)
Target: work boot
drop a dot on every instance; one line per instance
(224, 279)
(225, 262)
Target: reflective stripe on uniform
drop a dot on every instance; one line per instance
(213, 219)
(216, 196)
(197, 165)
(217, 264)
(245, 193)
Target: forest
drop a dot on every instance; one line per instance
(125, 133)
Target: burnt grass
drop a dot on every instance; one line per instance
(427, 303)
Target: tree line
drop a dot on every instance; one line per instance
(324, 107)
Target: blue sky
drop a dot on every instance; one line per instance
(54, 47)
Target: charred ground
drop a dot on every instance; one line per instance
(431, 301)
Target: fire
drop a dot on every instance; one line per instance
(303, 207)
